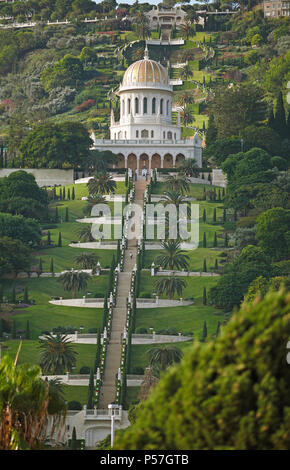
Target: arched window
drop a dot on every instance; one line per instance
(154, 106)
(136, 106)
(120, 135)
(144, 133)
(161, 106)
(145, 106)
(169, 135)
(167, 107)
(129, 106)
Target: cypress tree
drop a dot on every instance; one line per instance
(1, 327)
(63, 194)
(27, 331)
(288, 125)
(56, 214)
(219, 198)
(59, 243)
(118, 252)
(226, 240)
(204, 332)
(204, 240)
(204, 266)
(126, 178)
(214, 215)
(224, 215)
(91, 390)
(66, 214)
(68, 193)
(73, 193)
(218, 329)
(73, 442)
(60, 194)
(204, 297)
(215, 240)
(280, 117)
(223, 193)
(209, 177)
(51, 269)
(98, 353)
(204, 215)
(211, 133)
(216, 265)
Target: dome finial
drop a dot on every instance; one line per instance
(146, 53)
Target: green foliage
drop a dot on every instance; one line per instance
(20, 228)
(273, 232)
(226, 404)
(51, 145)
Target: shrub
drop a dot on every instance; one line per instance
(75, 405)
(145, 295)
(93, 330)
(141, 331)
(85, 370)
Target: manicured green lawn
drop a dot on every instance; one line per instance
(140, 357)
(30, 353)
(196, 258)
(76, 393)
(63, 257)
(132, 394)
(44, 316)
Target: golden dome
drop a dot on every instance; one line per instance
(145, 72)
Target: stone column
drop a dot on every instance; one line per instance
(162, 161)
(138, 162)
(150, 162)
(174, 160)
(126, 161)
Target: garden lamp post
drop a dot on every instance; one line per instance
(112, 409)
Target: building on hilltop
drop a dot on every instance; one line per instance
(145, 136)
(160, 16)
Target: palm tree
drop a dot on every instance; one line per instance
(173, 257)
(187, 29)
(177, 183)
(92, 201)
(74, 281)
(57, 355)
(142, 25)
(163, 356)
(185, 98)
(176, 199)
(87, 261)
(85, 233)
(170, 285)
(101, 183)
(186, 72)
(186, 116)
(99, 161)
(189, 167)
(26, 404)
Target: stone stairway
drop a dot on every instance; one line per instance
(114, 349)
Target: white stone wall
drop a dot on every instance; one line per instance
(44, 177)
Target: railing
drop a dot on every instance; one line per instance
(102, 414)
(142, 141)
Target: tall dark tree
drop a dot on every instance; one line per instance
(280, 125)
